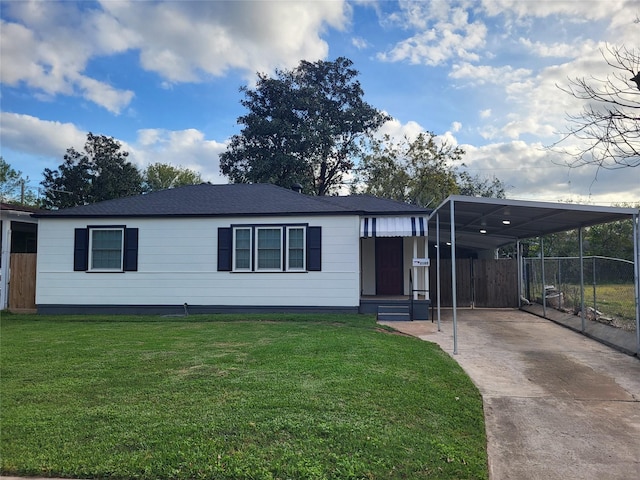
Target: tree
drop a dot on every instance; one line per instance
(422, 172)
(476, 186)
(160, 176)
(609, 125)
(13, 186)
(302, 126)
(100, 172)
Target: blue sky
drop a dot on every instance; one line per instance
(163, 77)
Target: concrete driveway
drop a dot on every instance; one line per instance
(557, 405)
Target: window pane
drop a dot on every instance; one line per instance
(269, 248)
(296, 236)
(296, 259)
(296, 248)
(106, 249)
(243, 249)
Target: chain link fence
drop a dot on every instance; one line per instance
(607, 291)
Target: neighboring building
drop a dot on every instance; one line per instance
(230, 248)
(18, 243)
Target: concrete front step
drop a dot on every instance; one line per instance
(398, 313)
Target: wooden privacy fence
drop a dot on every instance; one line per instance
(486, 283)
(22, 282)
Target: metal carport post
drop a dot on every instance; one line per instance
(636, 273)
(454, 291)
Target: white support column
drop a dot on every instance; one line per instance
(416, 285)
(5, 253)
(427, 291)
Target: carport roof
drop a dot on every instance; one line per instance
(506, 221)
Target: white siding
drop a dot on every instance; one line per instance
(177, 263)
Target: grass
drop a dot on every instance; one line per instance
(613, 300)
(230, 397)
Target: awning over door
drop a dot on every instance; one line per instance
(393, 227)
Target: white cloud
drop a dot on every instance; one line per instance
(395, 129)
(39, 137)
(534, 173)
(48, 45)
(360, 43)
(481, 74)
(185, 148)
(574, 11)
(49, 50)
(182, 41)
(442, 33)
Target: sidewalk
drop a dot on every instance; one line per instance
(557, 404)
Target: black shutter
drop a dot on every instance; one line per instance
(130, 250)
(81, 250)
(314, 249)
(225, 244)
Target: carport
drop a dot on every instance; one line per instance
(486, 224)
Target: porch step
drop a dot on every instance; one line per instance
(391, 313)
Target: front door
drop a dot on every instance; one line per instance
(389, 279)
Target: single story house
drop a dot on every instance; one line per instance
(231, 248)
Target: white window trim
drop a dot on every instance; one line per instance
(257, 253)
(304, 249)
(233, 255)
(90, 266)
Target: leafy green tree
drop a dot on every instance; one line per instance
(100, 172)
(161, 176)
(476, 186)
(14, 186)
(304, 126)
(422, 172)
(613, 239)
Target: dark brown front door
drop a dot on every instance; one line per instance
(389, 266)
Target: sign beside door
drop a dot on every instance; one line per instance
(421, 262)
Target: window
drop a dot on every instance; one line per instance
(105, 249)
(242, 249)
(295, 248)
(269, 248)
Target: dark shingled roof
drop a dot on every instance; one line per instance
(233, 200)
(370, 205)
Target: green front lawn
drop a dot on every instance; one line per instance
(232, 397)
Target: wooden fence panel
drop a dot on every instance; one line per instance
(482, 283)
(495, 283)
(463, 282)
(22, 282)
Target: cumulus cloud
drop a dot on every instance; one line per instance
(48, 45)
(443, 34)
(532, 172)
(481, 74)
(39, 137)
(396, 129)
(48, 50)
(186, 148)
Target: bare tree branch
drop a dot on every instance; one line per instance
(609, 125)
